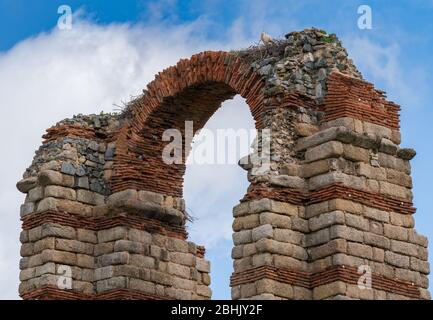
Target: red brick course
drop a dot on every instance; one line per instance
(346, 274)
(334, 191)
(79, 131)
(77, 221)
(358, 99)
(53, 293)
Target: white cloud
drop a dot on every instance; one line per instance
(211, 191)
(383, 65)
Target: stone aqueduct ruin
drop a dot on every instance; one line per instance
(105, 210)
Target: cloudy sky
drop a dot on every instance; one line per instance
(114, 48)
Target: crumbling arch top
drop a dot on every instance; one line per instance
(190, 91)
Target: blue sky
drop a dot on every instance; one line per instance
(117, 46)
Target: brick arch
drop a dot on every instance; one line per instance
(192, 90)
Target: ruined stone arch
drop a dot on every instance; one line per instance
(336, 199)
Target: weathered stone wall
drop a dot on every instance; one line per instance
(130, 244)
(336, 196)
